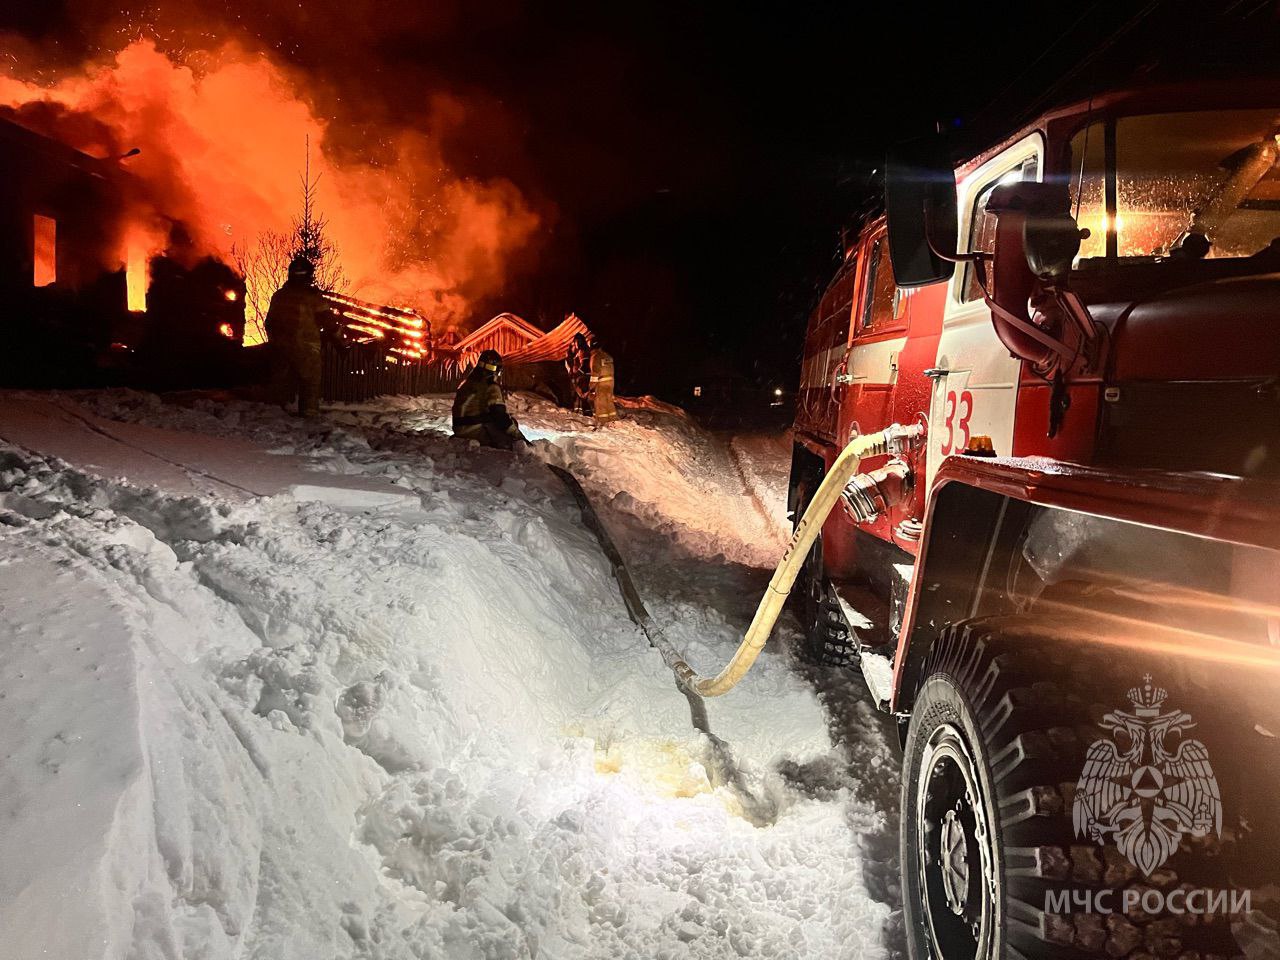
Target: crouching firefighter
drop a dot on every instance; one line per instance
(480, 407)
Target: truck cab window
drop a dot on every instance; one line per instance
(1200, 183)
(883, 306)
(982, 225)
(840, 308)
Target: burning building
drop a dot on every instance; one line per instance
(194, 226)
(226, 133)
(58, 208)
(81, 294)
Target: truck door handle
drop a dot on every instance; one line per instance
(847, 378)
(936, 373)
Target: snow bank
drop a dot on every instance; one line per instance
(654, 464)
(66, 706)
(305, 726)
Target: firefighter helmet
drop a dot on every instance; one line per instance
(302, 268)
(490, 360)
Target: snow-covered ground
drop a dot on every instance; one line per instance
(352, 688)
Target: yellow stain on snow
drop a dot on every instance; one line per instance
(660, 767)
(663, 765)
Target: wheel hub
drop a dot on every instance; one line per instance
(955, 862)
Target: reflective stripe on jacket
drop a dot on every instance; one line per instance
(480, 401)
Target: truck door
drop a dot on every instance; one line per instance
(975, 379)
(870, 376)
(880, 333)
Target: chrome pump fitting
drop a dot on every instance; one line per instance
(871, 494)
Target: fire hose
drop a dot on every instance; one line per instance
(843, 474)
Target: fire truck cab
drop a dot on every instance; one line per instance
(1068, 591)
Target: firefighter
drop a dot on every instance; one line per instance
(293, 325)
(578, 362)
(600, 368)
(480, 407)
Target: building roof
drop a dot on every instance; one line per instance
(14, 134)
(503, 321)
(403, 331)
(552, 345)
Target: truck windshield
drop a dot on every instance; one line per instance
(1200, 184)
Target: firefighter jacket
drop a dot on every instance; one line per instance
(480, 409)
(295, 318)
(577, 364)
(602, 385)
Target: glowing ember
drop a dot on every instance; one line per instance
(227, 330)
(230, 295)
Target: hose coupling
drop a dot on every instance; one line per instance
(899, 439)
(871, 494)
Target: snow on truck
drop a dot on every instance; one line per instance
(1056, 564)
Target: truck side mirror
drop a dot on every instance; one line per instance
(1050, 236)
(920, 198)
(1035, 316)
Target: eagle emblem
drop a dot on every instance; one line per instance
(1149, 784)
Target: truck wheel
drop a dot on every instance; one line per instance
(992, 755)
(951, 857)
(827, 636)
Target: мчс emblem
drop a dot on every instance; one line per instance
(1143, 791)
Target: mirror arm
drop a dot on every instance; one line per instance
(976, 257)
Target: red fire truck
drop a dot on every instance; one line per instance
(1067, 590)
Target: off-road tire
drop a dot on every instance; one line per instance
(1022, 710)
(828, 641)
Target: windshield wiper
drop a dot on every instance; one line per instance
(1248, 167)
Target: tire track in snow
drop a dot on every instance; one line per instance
(185, 468)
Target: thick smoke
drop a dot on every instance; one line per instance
(223, 145)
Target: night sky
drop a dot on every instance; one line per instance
(694, 163)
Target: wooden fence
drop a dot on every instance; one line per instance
(362, 371)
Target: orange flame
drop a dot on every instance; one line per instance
(136, 279)
(222, 148)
